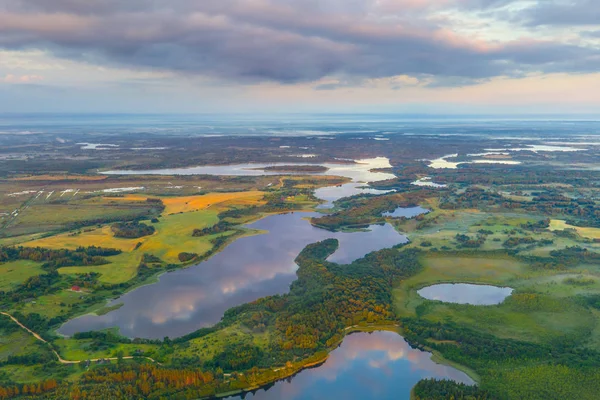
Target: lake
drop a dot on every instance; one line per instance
(378, 365)
(252, 267)
(359, 171)
(406, 212)
(333, 193)
(464, 293)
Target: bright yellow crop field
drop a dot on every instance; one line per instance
(192, 203)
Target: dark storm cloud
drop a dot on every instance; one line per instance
(283, 41)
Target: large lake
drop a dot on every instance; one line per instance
(378, 365)
(359, 171)
(250, 268)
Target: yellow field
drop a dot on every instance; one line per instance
(122, 268)
(101, 237)
(173, 233)
(559, 224)
(192, 203)
(127, 197)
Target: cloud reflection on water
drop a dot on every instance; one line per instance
(376, 365)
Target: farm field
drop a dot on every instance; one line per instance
(17, 272)
(267, 309)
(173, 233)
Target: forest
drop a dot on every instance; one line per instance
(491, 225)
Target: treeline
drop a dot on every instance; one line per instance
(49, 282)
(364, 210)
(580, 211)
(53, 259)
(28, 389)
(219, 227)
(485, 353)
(132, 229)
(434, 389)
(515, 175)
(515, 241)
(324, 300)
(149, 209)
(110, 337)
(467, 241)
(563, 259)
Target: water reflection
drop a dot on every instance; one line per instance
(249, 268)
(333, 193)
(464, 293)
(361, 171)
(406, 212)
(366, 366)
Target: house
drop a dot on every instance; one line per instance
(75, 288)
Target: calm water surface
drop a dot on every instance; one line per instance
(407, 212)
(358, 172)
(248, 269)
(379, 365)
(333, 193)
(464, 293)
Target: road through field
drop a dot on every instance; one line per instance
(60, 359)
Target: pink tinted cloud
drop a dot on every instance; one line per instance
(11, 78)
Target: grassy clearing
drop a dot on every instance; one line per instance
(122, 268)
(547, 382)
(559, 225)
(15, 343)
(543, 321)
(173, 233)
(16, 272)
(441, 269)
(541, 309)
(208, 346)
(57, 216)
(84, 349)
(52, 305)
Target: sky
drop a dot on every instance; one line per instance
(247, 56)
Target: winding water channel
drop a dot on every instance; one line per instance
(377, 365)
(252, 267)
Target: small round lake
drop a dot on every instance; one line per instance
(406, 212)
(378, 365)
(465, 293)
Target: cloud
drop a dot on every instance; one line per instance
(286, 41)
(592, 34)
(563, 13)
(10, 78)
